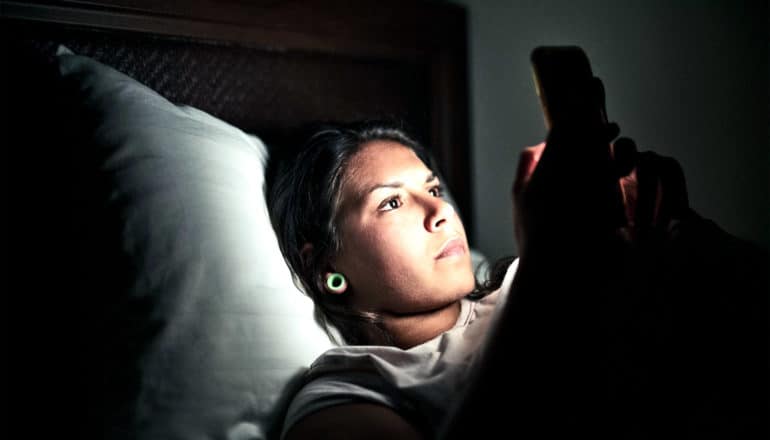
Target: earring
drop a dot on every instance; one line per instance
(336, 282)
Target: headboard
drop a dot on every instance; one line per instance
(270, 66)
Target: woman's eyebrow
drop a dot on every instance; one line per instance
(396, 184)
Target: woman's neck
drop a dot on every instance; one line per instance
(408, 331)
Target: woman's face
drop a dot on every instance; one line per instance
(404, 249)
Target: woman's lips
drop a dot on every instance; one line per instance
(451, 248)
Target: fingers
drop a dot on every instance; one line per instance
(674, 201)
(629, 189)
(612, 131)
(624, 156)
(661, 192)
(648, 194)
(528, 160)
(601, 101)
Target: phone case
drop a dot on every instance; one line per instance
(565, 84)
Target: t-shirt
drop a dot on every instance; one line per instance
(420, 383)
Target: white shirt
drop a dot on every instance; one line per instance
(420, 383)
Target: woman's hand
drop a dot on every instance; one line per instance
(584, 296)
(654, 193)
(643, 313)
(650, 188)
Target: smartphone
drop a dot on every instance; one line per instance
(566, 86)
(572, 97)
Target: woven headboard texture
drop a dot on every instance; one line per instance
(263, 92)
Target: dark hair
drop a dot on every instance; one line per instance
(303, 200)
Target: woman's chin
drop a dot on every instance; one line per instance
(458, 276)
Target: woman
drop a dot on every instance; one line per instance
(362, 222)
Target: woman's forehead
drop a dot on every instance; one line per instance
(382, 162)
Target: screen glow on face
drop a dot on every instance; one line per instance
(404, 248)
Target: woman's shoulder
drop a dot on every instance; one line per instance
(351, 375)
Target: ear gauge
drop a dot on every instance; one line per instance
(336, 283)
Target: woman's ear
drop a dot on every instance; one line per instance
(306, 252)
(334, 282)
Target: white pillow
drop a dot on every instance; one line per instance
(221, 329)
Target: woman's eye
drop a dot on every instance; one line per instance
(437, 191)
(390, 204)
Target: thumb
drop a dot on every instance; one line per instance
(528, 160)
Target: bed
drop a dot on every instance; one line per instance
(154, 302)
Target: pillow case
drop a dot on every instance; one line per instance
(194, 328)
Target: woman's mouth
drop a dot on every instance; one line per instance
(451, 248)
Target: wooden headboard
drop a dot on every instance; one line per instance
(269, 66)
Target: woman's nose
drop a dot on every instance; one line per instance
(439, 211)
